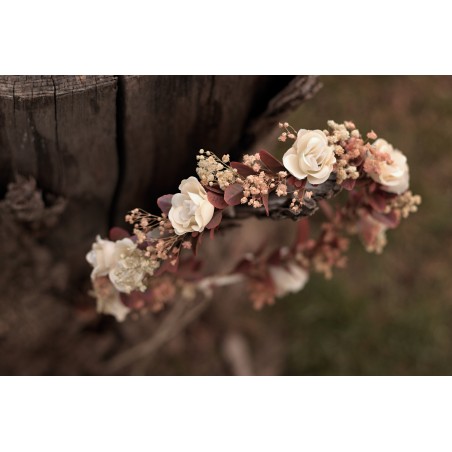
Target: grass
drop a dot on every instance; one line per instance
(388, 314)
(383, 315)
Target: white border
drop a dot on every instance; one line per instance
(234, 37)
(225, 414)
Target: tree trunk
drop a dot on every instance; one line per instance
(76, 153)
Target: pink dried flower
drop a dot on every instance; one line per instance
(281, 190)
(261, 293)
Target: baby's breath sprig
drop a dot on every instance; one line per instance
(157, 235)
(289, 132)
(212, 170)
(144, 272)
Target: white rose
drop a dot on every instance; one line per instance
(310, 157)
(394, 177)
(288, 279)
(122, 261)
(191, 211)
(105, 255)
(109, 300)
(372, 232)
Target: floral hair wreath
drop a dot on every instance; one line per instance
(155, 267)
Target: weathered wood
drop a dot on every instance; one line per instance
(61, 131)
(97, 146)
(166, 120)
(300, 89)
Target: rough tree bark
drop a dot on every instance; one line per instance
(76, 152)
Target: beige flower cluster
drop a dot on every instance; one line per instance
(390, 167)
(311, 157)
(405, 204)
(372, 232)
(191, 211)
(124, 271)
(117, 267)
(212, 170)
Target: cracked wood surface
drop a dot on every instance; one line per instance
(100, 145)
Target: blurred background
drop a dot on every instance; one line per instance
(383, 315)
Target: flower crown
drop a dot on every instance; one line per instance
(158, 264)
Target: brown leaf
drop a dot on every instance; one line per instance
(271, 162)
(302, 231)
(242, 169)
(164, 202)
(214, 189)
(391, 219)
(292, 180)
(265, 202)
(377, 201)
(216, 220)
(116, 234)
(167, 267)
(348, 184)
(217, 200)
(233, 194)
(196, 241)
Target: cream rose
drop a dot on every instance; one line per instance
(310, 157)
(109, 299)
(105, 255)
(121, 261)
(394, 177)
(191, 211)
(372, 232)
(288, 279)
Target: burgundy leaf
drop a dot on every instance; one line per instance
(362, 182)
(167, 267)
(242, 169)
(136, 299)
(358, 161)
(198, 244)
(189, 267)
(275, 258)
(377, 201)
(215, 221)
(348, 184)
(265, 202)
(214, 189)
(302, 231)
(233, 194)
(217, 200)
(194, 240)
(292, 180)
(391, 219)
(244, 266)
(271, 162)
(372, 187)
(116, 234)
(164, 202)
